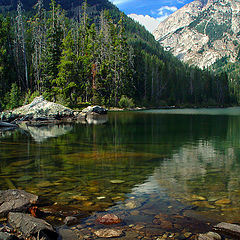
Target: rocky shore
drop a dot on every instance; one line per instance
(42, 112)
(23, 218)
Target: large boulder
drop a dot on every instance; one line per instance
(30, 226)
(15, 201)
(41, 109)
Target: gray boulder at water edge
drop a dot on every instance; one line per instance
(42, 109)
(15, 201)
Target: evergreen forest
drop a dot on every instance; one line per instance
(96, 57)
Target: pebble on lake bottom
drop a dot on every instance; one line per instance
(108, 233)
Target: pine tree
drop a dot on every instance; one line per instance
(39, 29)
(20, 48)
(53, 50)
(67, 83)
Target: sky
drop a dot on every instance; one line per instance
(149, 12)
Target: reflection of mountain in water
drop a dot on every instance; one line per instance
(44, 132)
(203, 170)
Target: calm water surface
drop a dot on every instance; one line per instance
(172, 161)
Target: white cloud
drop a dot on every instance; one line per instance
(166, 9)
(148, 22)
(118, 2)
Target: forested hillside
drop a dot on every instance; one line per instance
(96, 56)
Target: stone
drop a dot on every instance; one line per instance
(117, 181)
(203, 204)
(195, 197)
(41, 109)
(132, 204)
(161, 216)
(187, 234)
(30, 226)
(228, 228)
(95, 109)
(214, 235)
(223, 201)
(15, 201)
(67, 234)
(101, 198)
(109, 219)
(138, 227)
(108, 233)
(166, 225)
(209, 236)
(7, 236)
(70, 220)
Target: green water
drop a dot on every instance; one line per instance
(165, 160)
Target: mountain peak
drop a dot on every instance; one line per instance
(202, 31)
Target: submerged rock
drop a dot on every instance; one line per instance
(209, 236)
(117, 181)
(224, 201)
(67, 234)
(132, 204)
(109, 219)
(15, 201)
(70, 220)
(108, 233)
(30, 226)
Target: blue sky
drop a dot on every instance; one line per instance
(149, 12)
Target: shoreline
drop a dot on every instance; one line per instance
(169, 108)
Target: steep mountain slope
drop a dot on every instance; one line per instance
(202, 32)
(71, 6)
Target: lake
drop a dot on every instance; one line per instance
(138, 164)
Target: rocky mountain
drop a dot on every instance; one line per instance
(202, 32)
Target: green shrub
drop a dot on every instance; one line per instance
(12, 99)
(29, 97)
(126, 102)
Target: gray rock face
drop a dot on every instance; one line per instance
(15, 201)
(30, 226)
(202, 32)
